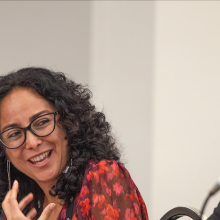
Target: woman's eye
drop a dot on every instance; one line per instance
(13, 135)
(43, 122)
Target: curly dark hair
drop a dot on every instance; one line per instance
(88, 134)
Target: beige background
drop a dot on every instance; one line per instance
(153, 67)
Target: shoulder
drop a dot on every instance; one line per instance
(108, 163)
(108, 192)
(108, 171)
(107, 166)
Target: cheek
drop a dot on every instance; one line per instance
(8, 155)
(64, 149)
(13, 155)
(60, 139)
(59, 143)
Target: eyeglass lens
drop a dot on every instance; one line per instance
(41, 126)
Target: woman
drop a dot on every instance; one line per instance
(58, 153)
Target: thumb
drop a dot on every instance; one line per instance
(47, 211)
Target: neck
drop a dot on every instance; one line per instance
(46, 186)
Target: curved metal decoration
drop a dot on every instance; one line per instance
(178, 212)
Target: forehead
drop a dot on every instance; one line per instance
(20, 104)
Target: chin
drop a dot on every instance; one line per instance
(47, 177)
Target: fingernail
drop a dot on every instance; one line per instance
(52, 206)
(14, 182)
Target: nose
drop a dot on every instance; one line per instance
(32, 141)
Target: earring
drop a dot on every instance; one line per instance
(38, 204)
(9, 174)
(67, 167)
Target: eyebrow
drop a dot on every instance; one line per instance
(30, 119)
(38, 114)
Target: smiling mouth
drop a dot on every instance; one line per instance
(40, 159)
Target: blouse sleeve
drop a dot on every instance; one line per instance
(108, 193)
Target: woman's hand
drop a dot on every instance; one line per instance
(13, 209)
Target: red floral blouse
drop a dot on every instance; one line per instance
(107, 193)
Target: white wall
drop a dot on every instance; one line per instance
(186, 124)
(181, 160)
(53, 34)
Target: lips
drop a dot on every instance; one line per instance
(40, 159)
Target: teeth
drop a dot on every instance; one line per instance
(39, 158)
(38, 163)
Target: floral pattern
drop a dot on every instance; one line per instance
(107, 193)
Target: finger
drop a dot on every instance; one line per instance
(16, 212)
(13, 196)
(32, 213)
(7, 196)
(47, 211)
(14, 190)
(25, 201)
(6, 205)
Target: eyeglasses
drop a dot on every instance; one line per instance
(41, 126)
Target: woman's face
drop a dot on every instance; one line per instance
(19, 107)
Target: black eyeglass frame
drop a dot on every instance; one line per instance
(30, 129)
